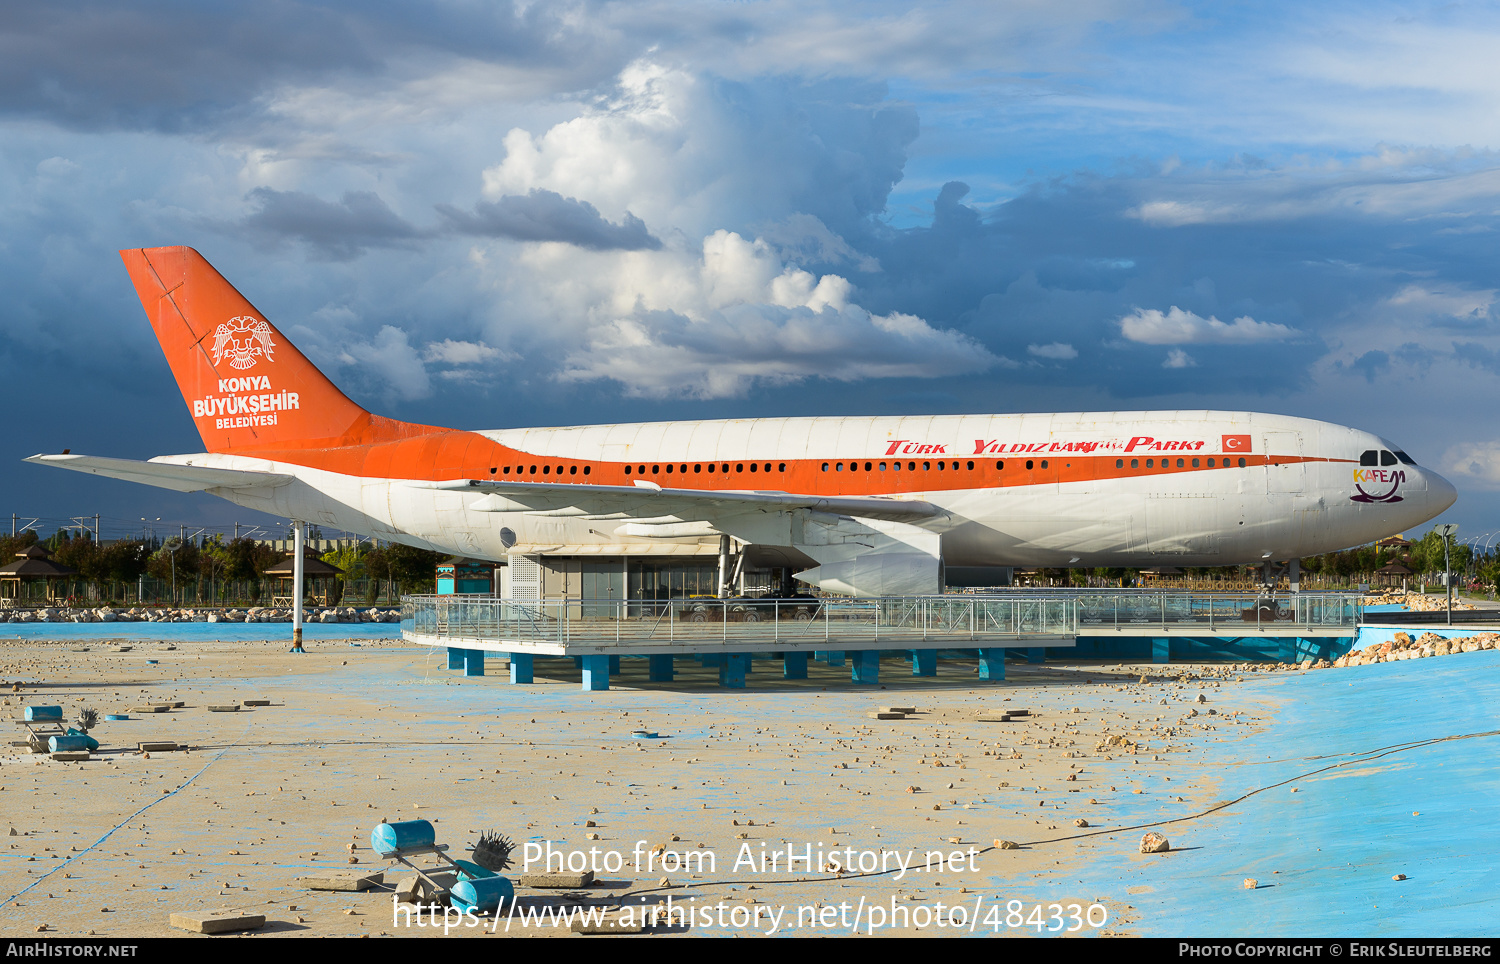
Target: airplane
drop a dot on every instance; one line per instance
(863, 506)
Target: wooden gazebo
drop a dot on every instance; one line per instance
(33, 562)
(315, 576)
(1389, 575)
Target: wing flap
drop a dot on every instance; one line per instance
(165, 475)
(685, 504)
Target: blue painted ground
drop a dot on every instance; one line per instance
(1325, 856)
(197, 632)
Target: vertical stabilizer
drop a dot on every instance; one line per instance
(247, 386)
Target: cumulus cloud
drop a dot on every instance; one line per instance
(1056, 351)
(542, 215)
(741, 318)
(1177, 358)
(450, 352)
(699, 152)
(335, 231)
(1477, 462)
(390, 362)
(1178, 327)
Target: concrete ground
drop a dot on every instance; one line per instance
(357, 734)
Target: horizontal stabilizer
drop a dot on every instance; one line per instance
(166, 475)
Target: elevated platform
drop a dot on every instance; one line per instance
(730, 630)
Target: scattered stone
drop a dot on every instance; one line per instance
(1080, 822)
(1154, 843)
(225, 708)
(1251, 883)
(218, 923)
(1007, 845)
(626, 922)
(558, 881)
(343, 882)
(1399, 877)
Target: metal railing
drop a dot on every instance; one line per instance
(889, 622)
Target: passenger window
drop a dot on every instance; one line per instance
(1119, 463)
(882, 466)
(1387, 458)
(911, 466)
(1179, 462)
(572, 470)
(780, 467)
(838, 466)
(1029, 463)
(1149, 463)
(970, 466)
(1372, 457)
(867, 466)
(1210, 463)
(1242, 463)
(752, 466)
(1135, 463)
(1044, 463)
(585, 470)
(926, 466)
(940, 466)
(999, 466)
(655, 469)
(825, 466)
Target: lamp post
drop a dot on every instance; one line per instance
(1448, 531)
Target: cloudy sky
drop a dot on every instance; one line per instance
(485, 215)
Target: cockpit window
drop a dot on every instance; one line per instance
(1406, 458)
(1372, 457)
(1387, 458)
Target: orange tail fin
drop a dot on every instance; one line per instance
(248, 387)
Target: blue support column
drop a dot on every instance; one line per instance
(794, 665)
(660, 668)
(1036, 654)
(614, 666)
(732, 670)
(520, 668)
(595, 672)
(835, 657)
(473, 662)
(1161, 649)
(455, 658)
(1288, 649)
(992, 663)
(865, 666)
(924, 662)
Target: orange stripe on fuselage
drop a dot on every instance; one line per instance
(442, 455)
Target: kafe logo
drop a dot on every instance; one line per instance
(1375, 478)
(241, 339)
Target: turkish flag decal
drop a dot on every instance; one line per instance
(1236, 443)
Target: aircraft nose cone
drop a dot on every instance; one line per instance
(1440, 492)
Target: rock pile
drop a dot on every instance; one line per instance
(1415, 601)
(1427, 644)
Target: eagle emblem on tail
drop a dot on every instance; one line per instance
(241, 340)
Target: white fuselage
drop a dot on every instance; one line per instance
(1023, 490)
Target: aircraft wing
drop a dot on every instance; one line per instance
(647, 499)
(166, 475)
